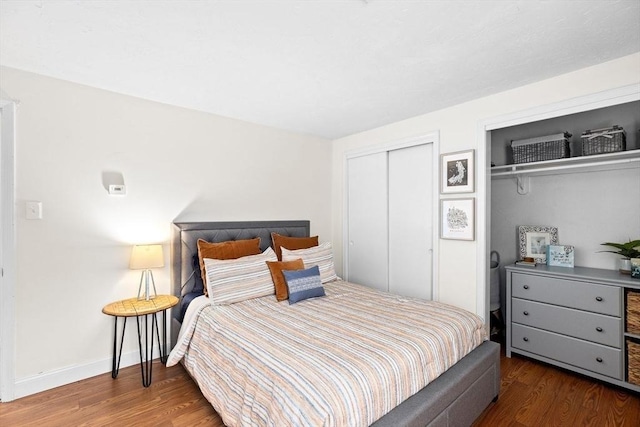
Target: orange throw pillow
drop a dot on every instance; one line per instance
(292, 243)
(231, 249)
(276, 267)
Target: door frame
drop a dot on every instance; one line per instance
(428, 138)
(7, 248)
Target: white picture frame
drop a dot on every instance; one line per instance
(457, 219)
(533, 241)
(457, 172)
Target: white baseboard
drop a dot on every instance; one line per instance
(59, 377)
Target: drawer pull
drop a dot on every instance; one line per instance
(526, 286)
(599, 299)
(526, 313)
(525, 339)
(599, 359)
(599, 329)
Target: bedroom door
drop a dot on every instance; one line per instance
(7, 248)
(390, 221)
(1, 257)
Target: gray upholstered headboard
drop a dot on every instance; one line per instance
(185, 269)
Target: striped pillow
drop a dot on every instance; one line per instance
(235, 280)
(321, 255)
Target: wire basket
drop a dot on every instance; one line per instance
(606, 140)
(550, 147)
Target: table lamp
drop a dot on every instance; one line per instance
(146, 257)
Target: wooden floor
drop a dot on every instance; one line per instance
(536, 394)
(532, 394)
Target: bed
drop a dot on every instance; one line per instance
(456, 396)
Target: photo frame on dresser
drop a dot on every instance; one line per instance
(561, 256)
(457, 172)
(534, 239)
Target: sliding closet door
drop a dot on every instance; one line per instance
(390, 220)
(410, 221)
(367, 221)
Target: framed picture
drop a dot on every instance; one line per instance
(457, 172)
(457, 219)
(560, 255)
(635, 268)
(534, 239)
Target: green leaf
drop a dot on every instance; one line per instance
(615, 245)
(626, 250)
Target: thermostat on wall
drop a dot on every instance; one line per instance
(117, 189)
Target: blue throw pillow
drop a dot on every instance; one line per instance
(303, 284)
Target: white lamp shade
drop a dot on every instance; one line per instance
(144, 257)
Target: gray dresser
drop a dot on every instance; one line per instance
(571, 317)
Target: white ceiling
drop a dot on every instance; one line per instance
(326, 68)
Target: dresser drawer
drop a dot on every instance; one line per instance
(572, 351)
(574, 294)
(594, 327)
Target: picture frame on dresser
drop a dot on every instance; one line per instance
(635, 268)
(457, 172)
(534, 239)
(561, 256)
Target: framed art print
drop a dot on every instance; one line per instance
(560, 255)
(457, 219)
(534, 239)
(635, 268)
(457, 172)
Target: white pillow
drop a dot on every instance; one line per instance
(321, 255)
(235, 280)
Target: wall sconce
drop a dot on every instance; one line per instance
(146, 257)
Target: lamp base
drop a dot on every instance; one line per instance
(147, 278)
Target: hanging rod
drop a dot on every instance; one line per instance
(563, 167)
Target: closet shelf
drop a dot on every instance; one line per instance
(610, 161)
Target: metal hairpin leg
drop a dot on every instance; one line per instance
(146, 356)
(162, 344)
(146, 364)
(115, 364)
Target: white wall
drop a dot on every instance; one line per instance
(459, 129)
(176, 163)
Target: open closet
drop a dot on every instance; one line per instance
(590, 200)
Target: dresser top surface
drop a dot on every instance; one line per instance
(610, 277)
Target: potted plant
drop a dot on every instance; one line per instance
(626, 251)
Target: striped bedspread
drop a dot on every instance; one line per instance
(341, 360)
